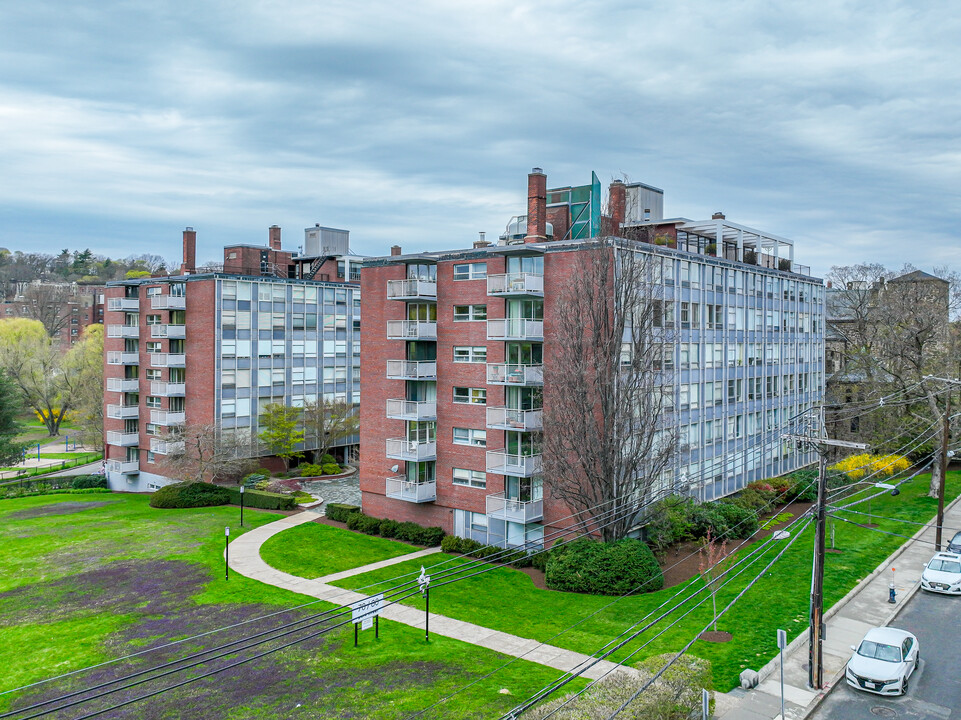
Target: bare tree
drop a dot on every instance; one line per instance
(205, 451)
(327, 422)
(607, 432)
(48, 302)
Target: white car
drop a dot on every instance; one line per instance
(884, 661)
(942, 574)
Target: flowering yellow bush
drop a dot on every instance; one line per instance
(857, 467)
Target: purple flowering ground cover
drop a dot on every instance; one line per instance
(84, 581)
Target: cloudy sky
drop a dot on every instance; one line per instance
(835, 124)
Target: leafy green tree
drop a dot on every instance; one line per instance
(84, 363)
(11, 405)
(282, 431)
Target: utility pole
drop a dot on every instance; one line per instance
(815, 648)
(945, 432)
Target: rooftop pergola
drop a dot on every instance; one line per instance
(723, 231)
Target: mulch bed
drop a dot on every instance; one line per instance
(716, 636)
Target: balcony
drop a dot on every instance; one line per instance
(400, 488)
(123, 304)
(515, 329)
(167, 418)
(123, 384)
(411, 370)
(411, 410)
(411, 290)
(167, 360)
(518, 511)
(168, 302)
(501, 462)
(167, 389)
(168, 331)
(123, 412)
(503, 418)
(123, 439)
(411, 450)
(127, 467)
(519, 284)
(165, 447)
(411, 330)
(123, 331)
(520, 375)
(116, 357)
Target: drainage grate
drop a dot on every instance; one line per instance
(884, 712)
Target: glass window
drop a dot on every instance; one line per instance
(470, 354)
(470, 271)
(470, 436)
(474, 396)
(470, 478)
(463, 313)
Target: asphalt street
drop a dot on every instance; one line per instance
(935, 689)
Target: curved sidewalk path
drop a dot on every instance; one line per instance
(245, 559)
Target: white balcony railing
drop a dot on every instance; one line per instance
(515, 284)
(167, 417)
(518, 511)
(127, 467)
(123, 412)
(411, 370)
(503, 463)
(123, 304)
(521, 375)
(168, 360)
(515, 329)
(400, 488)
(168, 331)
(117, 357)
(411, 290)
(123, 331)
(123, 384)
(411, 450)
(123, 439)
(412, 409)
(168, 302)
(411, 330)
(166, 447)
(167, 389)
(502, 418)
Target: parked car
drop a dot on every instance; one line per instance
(942, 574)
(955, 545)
(884, 661)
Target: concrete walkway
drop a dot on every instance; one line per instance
(865, 607)
(245, 559)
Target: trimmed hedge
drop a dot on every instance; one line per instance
(262, 500)
(189, 495)
(340, 511)
(600, 568)
(10, 493)
(86, 482)
(405, 531)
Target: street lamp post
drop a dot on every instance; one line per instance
(227, 553)
(241, 506)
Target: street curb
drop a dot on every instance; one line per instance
(838, 606)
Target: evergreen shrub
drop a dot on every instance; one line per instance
(189, 495)
(598, 568)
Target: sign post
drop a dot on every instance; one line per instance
(227, 553)
(781, 645)
(705, 705)
(241, 506)
(424, 582)
(366, 614)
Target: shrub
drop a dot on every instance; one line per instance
(604, 568)
(363, 523)
(340, 512)
(739, 523)
(310, 470)
(451, 545)
(670, 522)
(539, 560)
(262, 500)
(388, 528)
(409, 532)
(189, 495)
(432, 536)
(331, 469)
(327, 459)
(255, 478)
(84, 482)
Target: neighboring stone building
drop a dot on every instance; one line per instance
(66, 309)
(214, 348)
(456, 342)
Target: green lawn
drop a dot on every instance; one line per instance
(506, 599)
(313, 550)
(86, 578)
(81, 457)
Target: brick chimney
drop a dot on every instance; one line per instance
(617, 196)
(274, 235)
(190, 252)
(536, 206)
(395, 250)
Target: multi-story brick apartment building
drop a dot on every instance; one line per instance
(455, 359)
(64, 308)
(215, 347)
